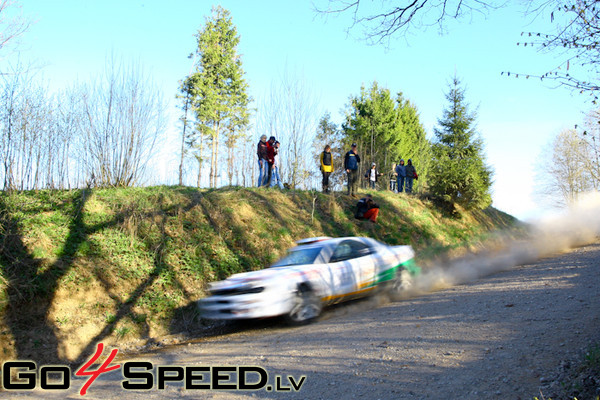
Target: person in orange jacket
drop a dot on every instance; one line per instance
(366, 208)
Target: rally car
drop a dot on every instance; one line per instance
(315, 273)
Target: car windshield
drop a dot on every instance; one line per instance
(298, 257)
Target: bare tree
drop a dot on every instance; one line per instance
(247, 171)
(290, 113)
(37, 132)
(186, 97)
(11, 27)
(123, 117)
(563, 173)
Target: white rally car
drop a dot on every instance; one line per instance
(317, 272)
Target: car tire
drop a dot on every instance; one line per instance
(306, 308)
(401, 283)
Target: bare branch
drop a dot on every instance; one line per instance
(576, 40)
(11, 28)
(401, 16)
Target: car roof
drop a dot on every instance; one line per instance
(325, 241)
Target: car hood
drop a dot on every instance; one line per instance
(263, 275)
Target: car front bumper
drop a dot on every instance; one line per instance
(246, 306)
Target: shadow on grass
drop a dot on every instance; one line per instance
(30, 288)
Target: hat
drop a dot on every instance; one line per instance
(373, 164)
(272, 138)
(263, 137)
(353, 144)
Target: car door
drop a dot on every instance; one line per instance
(351, 268)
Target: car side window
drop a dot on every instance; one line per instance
(341, 252)
(359, 249)
(349, 249)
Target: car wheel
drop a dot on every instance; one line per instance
(401, 282)
(306, 308)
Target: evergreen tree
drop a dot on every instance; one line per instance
(459, 173)
(414, 144)
(386, 130)
(218, 89)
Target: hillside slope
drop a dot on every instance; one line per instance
(119, 265)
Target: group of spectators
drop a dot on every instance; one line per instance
(401, 179)
(401, 176)
(268, 162)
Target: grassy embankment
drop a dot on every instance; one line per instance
(119, 265)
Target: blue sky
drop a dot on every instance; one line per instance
(72, 39)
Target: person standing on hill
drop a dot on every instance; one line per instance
(411, 174)
(275, 178)
(372, 175)
(326, 167)
(401, 171)
(263, 164)
(270, 159)
(393, 176)
(351, 161)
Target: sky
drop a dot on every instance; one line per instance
(71, 40)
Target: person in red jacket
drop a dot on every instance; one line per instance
(271, 150)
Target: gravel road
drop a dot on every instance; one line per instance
(501, 337)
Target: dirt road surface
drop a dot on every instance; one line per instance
(501, 337)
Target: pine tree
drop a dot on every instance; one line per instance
(220, 100)
(386, 130)
(459, 173)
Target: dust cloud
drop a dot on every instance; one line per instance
(577, 226)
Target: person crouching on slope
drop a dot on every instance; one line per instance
(366, 208)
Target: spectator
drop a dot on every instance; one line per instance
(275, 178)
(263, 164)
(326, 167)
(351, 161)
(372, 175)
(393, 176)
(270, 159)
(401, 171)
(411, 173)
(366, 208)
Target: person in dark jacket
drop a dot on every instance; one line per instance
(401, 171)
(351, 161)
(411, 174)
(366, 208)
(326, 167)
